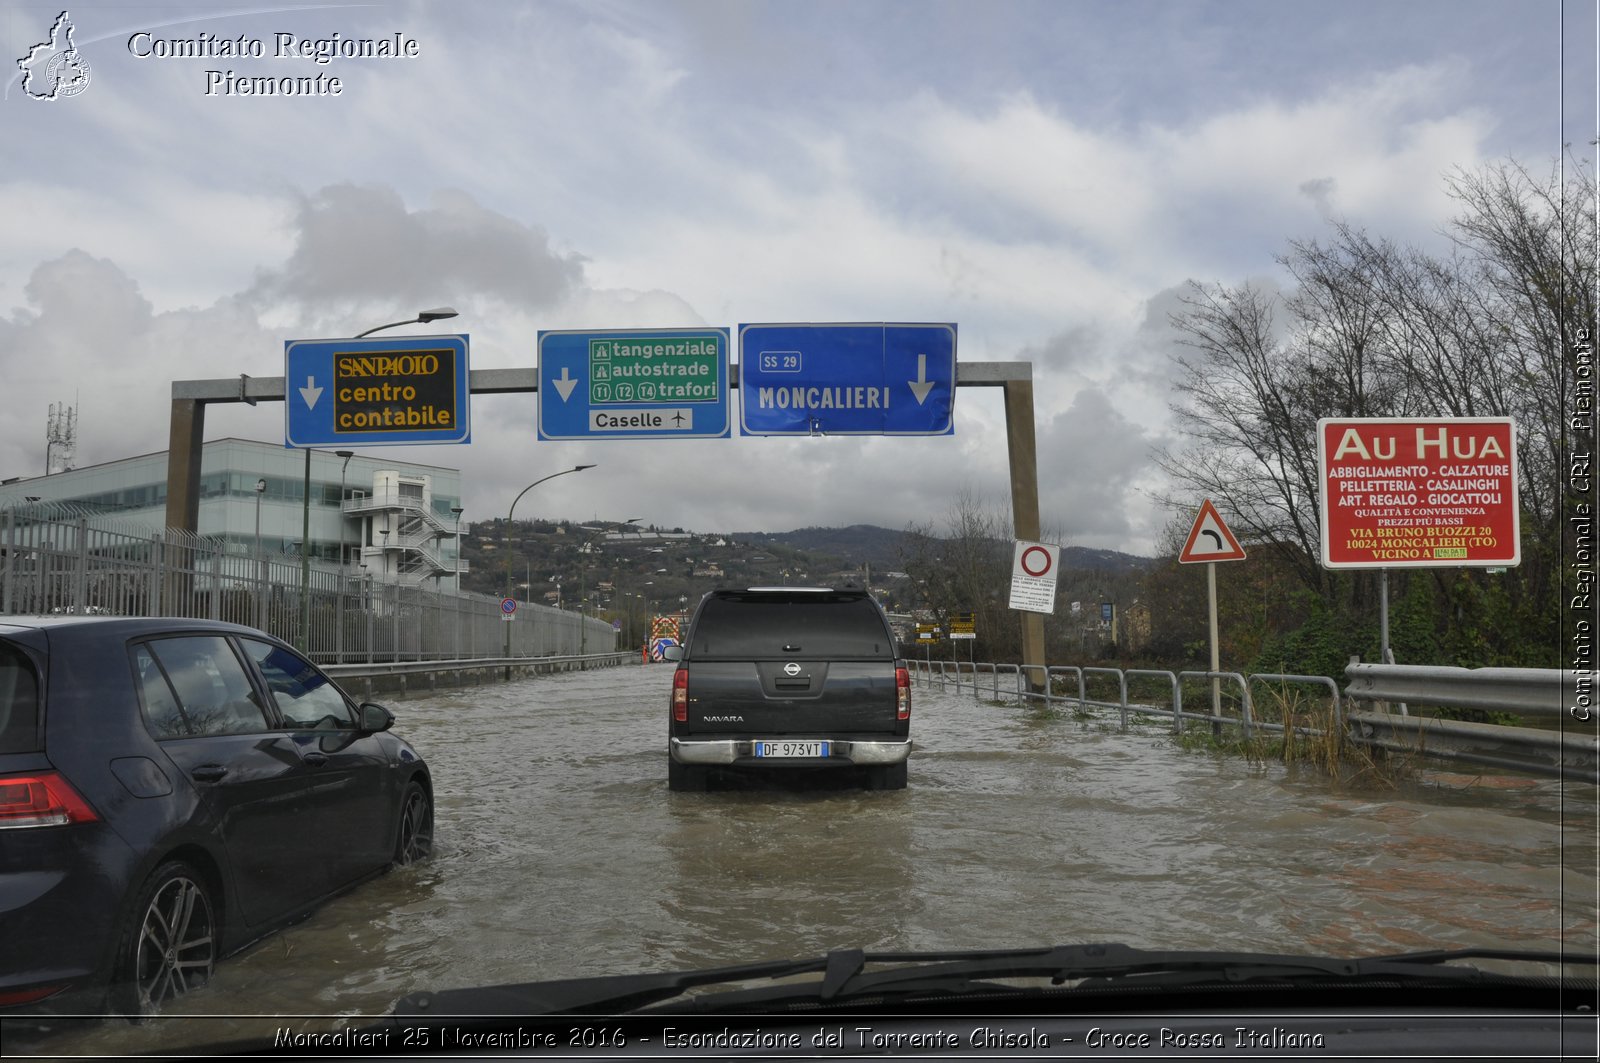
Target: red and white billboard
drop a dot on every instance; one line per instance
(1418, 492)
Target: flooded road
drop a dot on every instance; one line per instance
(560, 853)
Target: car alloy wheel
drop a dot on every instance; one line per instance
(174, 947)
(415, 840)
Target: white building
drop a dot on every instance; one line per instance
(400, 520)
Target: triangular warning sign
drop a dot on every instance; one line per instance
(1210, 539)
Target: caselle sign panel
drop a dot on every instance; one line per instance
(1418, 492)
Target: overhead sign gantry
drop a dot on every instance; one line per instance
(189, 399)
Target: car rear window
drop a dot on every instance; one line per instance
(19, 701)
(810, 625)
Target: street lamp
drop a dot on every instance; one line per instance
(261, 562)
(346, 455)
(338, 639)
(616, 584)
(456, 512)
(512, 510)
(436, 314)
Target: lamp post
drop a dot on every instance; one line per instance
(346, 455)
(261, 563)
(436, 314)
(616, 586)
(455, 563)
(509, 512)
(456, 511)
(339, 618)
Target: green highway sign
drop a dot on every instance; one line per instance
(635, 382)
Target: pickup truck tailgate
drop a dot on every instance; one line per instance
(792, 696)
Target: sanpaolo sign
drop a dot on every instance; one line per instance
(376, 392)
(1418, 492)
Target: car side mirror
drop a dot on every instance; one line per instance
(672, 653)
(375, 717)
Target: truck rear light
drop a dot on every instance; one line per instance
(41, 800)
(680, 694)
(902, 690)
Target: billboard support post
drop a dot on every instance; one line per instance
(1383, 617)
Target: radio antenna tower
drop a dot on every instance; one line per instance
(61, 439)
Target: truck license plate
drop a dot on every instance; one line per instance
(791, 749)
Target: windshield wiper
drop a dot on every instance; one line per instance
(844, 977)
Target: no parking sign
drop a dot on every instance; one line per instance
(1033, 576)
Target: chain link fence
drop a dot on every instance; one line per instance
(64, 558)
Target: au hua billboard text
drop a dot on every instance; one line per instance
(1418, 492)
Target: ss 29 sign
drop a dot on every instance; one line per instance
(1418, 492)
(375, 392)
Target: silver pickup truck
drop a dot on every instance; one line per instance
(789, 679)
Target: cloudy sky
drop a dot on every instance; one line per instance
(1045, 175)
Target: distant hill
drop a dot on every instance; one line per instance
(882, 548)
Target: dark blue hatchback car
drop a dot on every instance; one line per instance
(172, 790)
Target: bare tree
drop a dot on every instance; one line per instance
(1531, 247)
(1371, 329)
(1249, 417)
(968, 570)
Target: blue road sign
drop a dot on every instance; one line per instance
(631, 383)
(376, 391)
(847, 379)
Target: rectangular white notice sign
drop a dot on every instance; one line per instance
(1033, 577)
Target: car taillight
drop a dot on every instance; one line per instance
(902, 690)
(14, 997)
(680, 694)
(43, 800)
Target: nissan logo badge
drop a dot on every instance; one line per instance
(791, 669)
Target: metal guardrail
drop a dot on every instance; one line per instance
(1550, 753)
(403, 671)
(1539, 692)
(1531, 692)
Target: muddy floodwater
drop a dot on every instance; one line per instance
(560, 853)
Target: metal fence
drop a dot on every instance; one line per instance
(1532, 693)
(63, 558)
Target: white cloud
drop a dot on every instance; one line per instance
(361, 244)
(598, 166)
